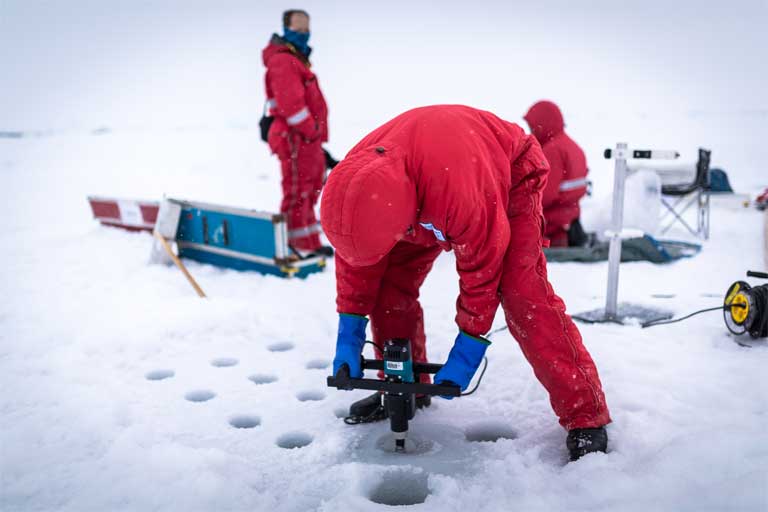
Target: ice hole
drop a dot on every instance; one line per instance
(159, 374)
(282, 346)
(223, 362)
(318, 364)
(401, 487)
(245, 421)
(310, 396)
(291, 440)
(415, 444)
(261, 378)
(200, 395)
(489, 431)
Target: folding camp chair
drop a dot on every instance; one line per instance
(678, 198)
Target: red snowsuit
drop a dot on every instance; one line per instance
(568, 171)
(453, 177)
(299, 128)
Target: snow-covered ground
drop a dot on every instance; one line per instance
(102, 357)
(105, 361)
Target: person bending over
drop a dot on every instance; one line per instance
(451, 177)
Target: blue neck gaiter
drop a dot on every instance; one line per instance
(298, 39)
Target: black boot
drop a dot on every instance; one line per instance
(582, 441)
(577, 237)
(323, 250)
(371, 408)
(368, 406)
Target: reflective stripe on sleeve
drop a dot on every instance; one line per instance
(305, 231)
(298, 117)
(573, 184)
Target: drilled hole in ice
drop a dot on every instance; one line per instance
(489, 431)
(245, 421)
(200, 395)
(310, 396)
(223, 362)
(318, 364)
(282, 346)
(261, 378)
(159, 374)
(401, 487)
(291, 440)
(415, 444)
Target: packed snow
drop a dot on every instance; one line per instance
(122, 390)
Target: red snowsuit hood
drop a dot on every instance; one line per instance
(568, 170)
(369, 203)
(545, 120)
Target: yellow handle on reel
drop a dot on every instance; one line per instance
(745, 308)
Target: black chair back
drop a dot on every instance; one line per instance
(702, 168)
(701, 181)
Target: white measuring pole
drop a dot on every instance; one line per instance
(617, 219)
(621, 154)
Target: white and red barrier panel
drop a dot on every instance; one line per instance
(130, 214)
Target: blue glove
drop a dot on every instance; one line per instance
(463, 361)
(349, 344)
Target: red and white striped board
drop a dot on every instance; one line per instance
(130, 214)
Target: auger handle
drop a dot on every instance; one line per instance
(754, 273)
(342, 379)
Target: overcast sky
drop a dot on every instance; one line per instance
(83, 64)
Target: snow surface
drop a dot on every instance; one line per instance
(106, 363)
(121, 390)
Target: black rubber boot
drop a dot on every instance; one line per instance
(323, 250)
(371, 408)
(367, 406)
(582, 441)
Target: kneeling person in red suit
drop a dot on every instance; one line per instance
(451, 177)
(567, 182)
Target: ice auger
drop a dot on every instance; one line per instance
(399, 387)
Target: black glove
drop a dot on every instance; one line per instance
(264, 123)
(330, 162)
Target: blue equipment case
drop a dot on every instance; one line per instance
(240, 239)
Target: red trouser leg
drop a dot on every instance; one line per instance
(557, 237)
(302, 171)
(398, 313)
(558, 219)
(536, 318)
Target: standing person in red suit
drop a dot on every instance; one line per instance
(567, 176)
(299, 128)
(450, 177)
